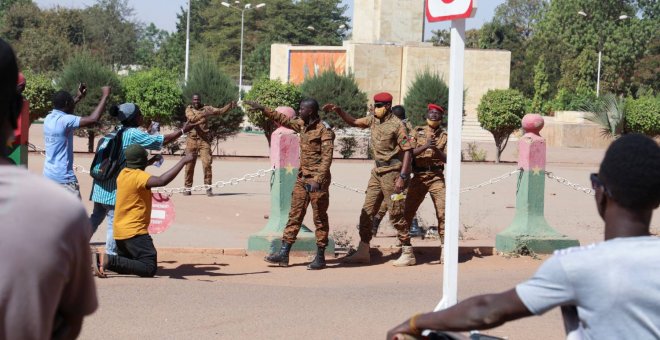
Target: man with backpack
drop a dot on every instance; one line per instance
(107, 165)
(58, 135)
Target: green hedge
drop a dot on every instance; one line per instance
(643, 116)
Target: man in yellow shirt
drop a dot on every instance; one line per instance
(136, 253)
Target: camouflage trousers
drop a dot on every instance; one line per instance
(203, 150)
(420, 184)
(300, 199)
(379, 190)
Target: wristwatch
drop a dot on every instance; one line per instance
(404, 176)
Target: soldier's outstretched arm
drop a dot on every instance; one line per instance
(274, 115)
(220, 111)
(350, 120)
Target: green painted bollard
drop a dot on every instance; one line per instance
(285, 158)
(529, 229)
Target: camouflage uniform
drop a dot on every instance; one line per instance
(388, 141)
(199, 141)
(383, 207)
(316, 146)
(428, 168)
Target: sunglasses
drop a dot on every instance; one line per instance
(597, 183)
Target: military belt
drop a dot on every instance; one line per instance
(393, 161)
(430, 168)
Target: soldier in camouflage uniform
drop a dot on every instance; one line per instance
(430, 155)
(199, 139)
(400, 112)
(312, 185)
(392, 152)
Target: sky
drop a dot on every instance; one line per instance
(163, 12)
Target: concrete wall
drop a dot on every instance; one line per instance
(586, 134)
(484, 70)
(279, 62)
(377, 68)
(387, 21)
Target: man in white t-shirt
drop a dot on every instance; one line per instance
(610, 290)
(46, 286)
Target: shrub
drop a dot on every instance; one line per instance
(643, 116)
(83, 68)
(271, 93)
(216, 89)
(39, 92)
(348, 145)
(500, 112)
(567, 100)
(607, 111)
(427, 88)
(157, 93)
(342, 90)
(476, 153)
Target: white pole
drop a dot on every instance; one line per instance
(598, 79)
(240, 67)
(450, 251)
(187, 43)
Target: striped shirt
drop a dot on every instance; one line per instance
(105, 192)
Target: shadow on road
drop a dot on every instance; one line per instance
(189, 269)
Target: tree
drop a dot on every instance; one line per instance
(607, 111)
(217, 89)
(109, 32)
(17, 17)
(339, 89)
(157, 92)
(39, 92)
(541, 86)
(443, 37)
(272, 94)
(427, 88)
(150, 40)
(84, 68)
(643, 116)
(500, 112)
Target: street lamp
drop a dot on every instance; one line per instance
(187, 43)
(600, 48)
(242, 10)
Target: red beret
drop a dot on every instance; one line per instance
(436, 107)
(383, 97)
(21, 79)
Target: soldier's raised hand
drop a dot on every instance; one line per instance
(255, 105)
(330, 107)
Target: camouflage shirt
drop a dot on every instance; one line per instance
(429, 159)
(316, 145)
(195, 116)
(388, 140)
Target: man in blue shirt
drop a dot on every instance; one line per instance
(58, 135)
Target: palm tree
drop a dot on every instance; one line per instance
(608, 112)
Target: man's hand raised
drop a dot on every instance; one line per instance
(106, 90)
(331, 107)
(255, 105)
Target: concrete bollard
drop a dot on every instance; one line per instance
(285, 158)
(529, 229)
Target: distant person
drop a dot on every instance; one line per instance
(45, 284)
(313, 183)
(199, 139)
(104, 192)
(58, 135)
(136, 254)
(606, 291)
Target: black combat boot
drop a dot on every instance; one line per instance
(319, 260)
(282, 258)
(375, 224)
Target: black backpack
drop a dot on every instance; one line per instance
(106, 162)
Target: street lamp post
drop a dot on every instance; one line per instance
(187, 42)
(600, 50)
(242, 10)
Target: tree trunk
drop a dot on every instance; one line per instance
(90, 140)
(500, 145)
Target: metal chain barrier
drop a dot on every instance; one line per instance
(218, 184)
(491, 181)
(568, 183)
(76, 167)
(480, 185)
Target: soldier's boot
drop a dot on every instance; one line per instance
(319, 260)
(415, 230)
(375, 224)
(282, 257)
(407, 257)
(209, 192)
(187, 193)
(442, 246)
(360, 256)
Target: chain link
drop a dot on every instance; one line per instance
(568, 183)
(219, 184)
(480, 185)
(76, 167)
(491, 181)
